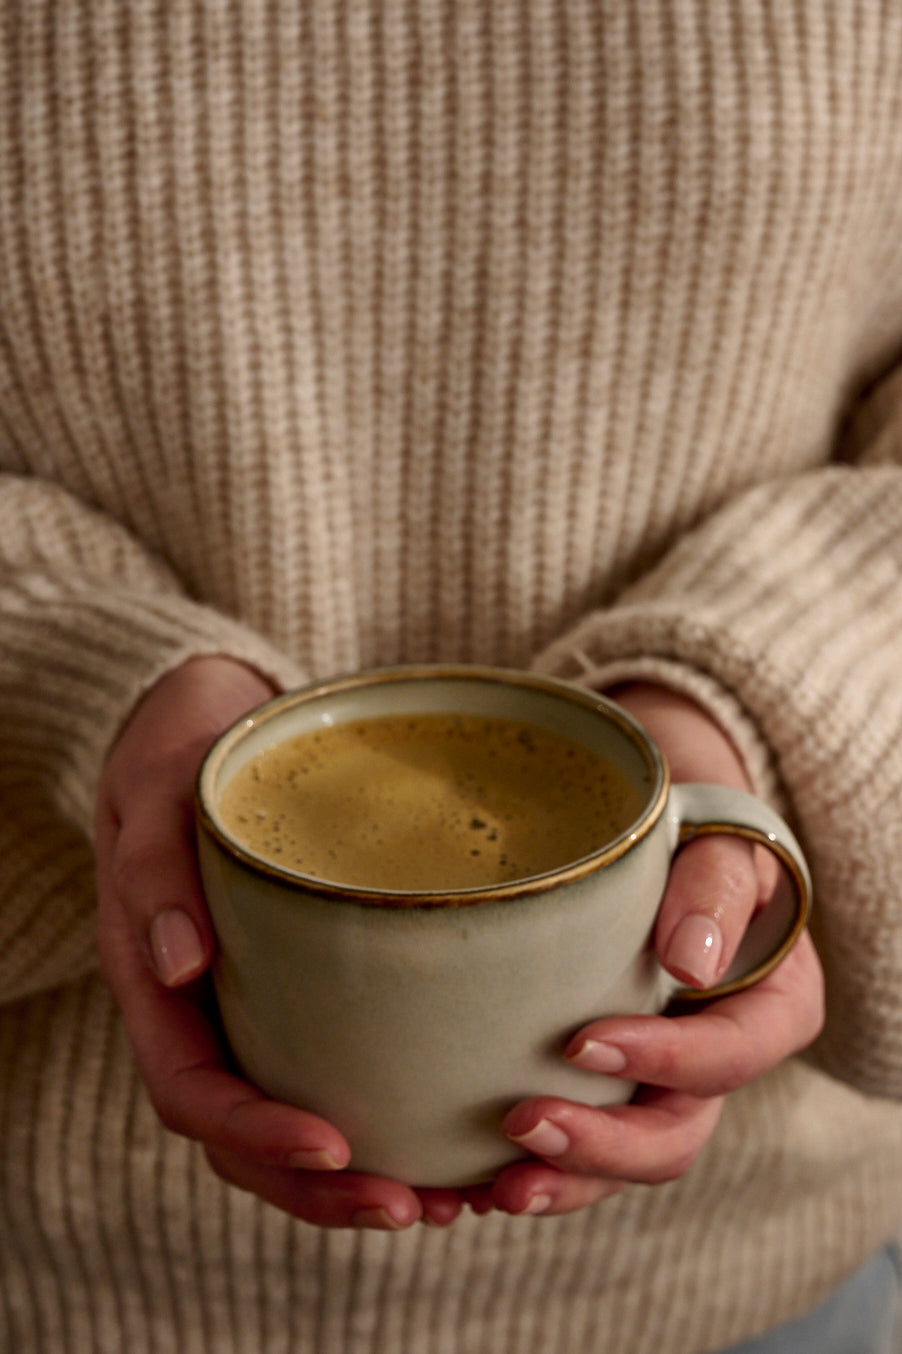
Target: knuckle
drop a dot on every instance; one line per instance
(247, 1114)
(668, 1067)
(174, 1111)
(133, 864)
(739, 1070)
(169, 1113)
(676, 1166)
(115, 958)
(688, 1137)
(221, 1165)
(739, 1061)
(737, 882)
(726, 879)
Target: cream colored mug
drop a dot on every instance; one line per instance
(414, 1019)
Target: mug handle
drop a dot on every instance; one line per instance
(699, 810)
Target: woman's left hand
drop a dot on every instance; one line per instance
(685, 1064)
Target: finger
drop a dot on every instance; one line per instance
(710, 897)
(196, 1096)
(769, 871)
(181, 1060)
(145, 815)
(719, 1048)
(478, 1198)
(345, 1200)
(146, 868)
(440, 1206)
(534, 1189)
(653, 1139)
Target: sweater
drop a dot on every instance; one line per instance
(559, 334)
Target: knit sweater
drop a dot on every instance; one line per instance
(550, 333)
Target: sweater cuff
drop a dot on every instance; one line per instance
(571, 663)
(152, 640)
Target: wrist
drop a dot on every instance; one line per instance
(687, 733)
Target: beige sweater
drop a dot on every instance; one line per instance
(545, 332)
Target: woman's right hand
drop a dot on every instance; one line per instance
(156, 944)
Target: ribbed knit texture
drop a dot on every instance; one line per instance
(543, 332)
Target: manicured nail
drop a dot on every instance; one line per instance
(539, 1203)
(695, 949)
(379, 1218)
(175, 947)
(317, 1159)
(545, 1140)
(596, 1056)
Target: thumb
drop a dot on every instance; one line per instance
(149, 888)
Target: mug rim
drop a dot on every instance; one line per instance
(592, 701)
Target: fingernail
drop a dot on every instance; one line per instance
(175, 947)
(694, 950)
(545, 1140)
(379, 1218)
(539, 1203)
(596, 1056)
(315, 1160)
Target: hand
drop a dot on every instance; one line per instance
(685, 1064)
(156, 944)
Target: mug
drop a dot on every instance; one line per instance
(413, 1020)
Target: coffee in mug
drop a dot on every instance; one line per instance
(421, 802)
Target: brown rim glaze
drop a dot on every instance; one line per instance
(521, 888)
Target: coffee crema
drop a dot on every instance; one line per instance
(428, 802)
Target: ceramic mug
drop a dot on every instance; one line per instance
(413, 1022)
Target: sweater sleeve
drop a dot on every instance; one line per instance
(783, 614)
(89, 619)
